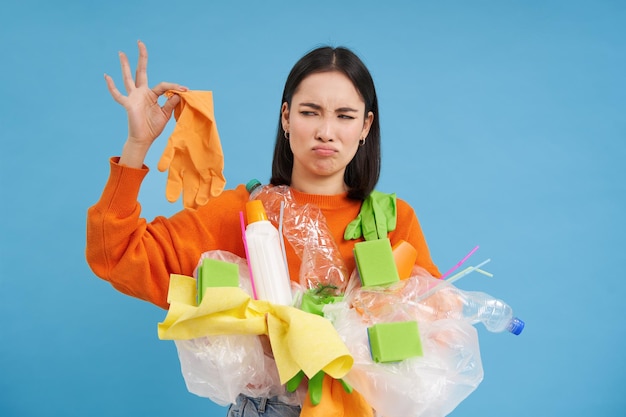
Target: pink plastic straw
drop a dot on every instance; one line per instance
(245, 246)
(455, 267)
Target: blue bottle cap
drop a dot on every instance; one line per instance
(516, 326)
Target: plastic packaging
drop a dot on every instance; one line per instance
(425, 386)
(494, 314)
(254, 187)
(304, 226)
(450, 368)
(220, 367)
(269, 272)
(472, 306)
(405, 301)
(221, 255)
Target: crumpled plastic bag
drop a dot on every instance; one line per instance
(430, 385)
(221, 367)
(426, 386)
(421, 297)
(305, 228)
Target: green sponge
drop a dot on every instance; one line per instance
(215, 273)
(393, 342)
(375, 262)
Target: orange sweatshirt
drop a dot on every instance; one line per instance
(137, 257)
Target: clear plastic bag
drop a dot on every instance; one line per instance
(305, 228)
(433, 384)
(430, 385)
(221, 255)
(417, 298)
(221, 367)
(425, 298)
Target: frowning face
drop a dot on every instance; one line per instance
(325, 122)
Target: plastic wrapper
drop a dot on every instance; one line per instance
(450, 368)
(425, 386)
(221, 367)
(425, 298)
(421, 297)
(221, 255)
(430, 385)
(306, 230)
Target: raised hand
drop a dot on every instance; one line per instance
(146, 118)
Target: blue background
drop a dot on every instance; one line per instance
(503, 123)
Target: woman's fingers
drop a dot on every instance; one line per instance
(141, 73)
(162, 87)
(115, 93)
(127, 76)
(171, 104)
(139, 85)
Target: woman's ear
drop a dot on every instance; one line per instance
(284, 118)
(367, 124)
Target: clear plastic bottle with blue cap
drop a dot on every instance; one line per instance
(496, 315)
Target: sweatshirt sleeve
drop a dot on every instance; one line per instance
(122, 248)
(409, 229)
(136, 256)
(116, 250)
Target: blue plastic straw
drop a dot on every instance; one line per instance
(454, 278)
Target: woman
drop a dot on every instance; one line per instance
(327, 151)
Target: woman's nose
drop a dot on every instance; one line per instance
(325, 131)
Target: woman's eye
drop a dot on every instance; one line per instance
(345, 116)
(307, 113)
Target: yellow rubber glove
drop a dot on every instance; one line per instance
(193, 154)
(376, 218)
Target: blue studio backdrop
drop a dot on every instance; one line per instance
(503, 125)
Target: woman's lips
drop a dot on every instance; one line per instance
(324, 151)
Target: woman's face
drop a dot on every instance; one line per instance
(325, 122)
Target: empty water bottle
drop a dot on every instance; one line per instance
(494, 314)
(254, 187)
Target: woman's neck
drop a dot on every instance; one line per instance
(319, 185)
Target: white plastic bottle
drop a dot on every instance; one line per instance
(269, 272)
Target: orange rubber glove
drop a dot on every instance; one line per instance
(193, 154)
(335, 401)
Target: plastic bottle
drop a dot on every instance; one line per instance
(254, 187)
(496, 315)
(269, 272)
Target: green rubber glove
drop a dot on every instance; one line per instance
(377, 217)
(314, 300)
(315, 385)
(294, 382)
